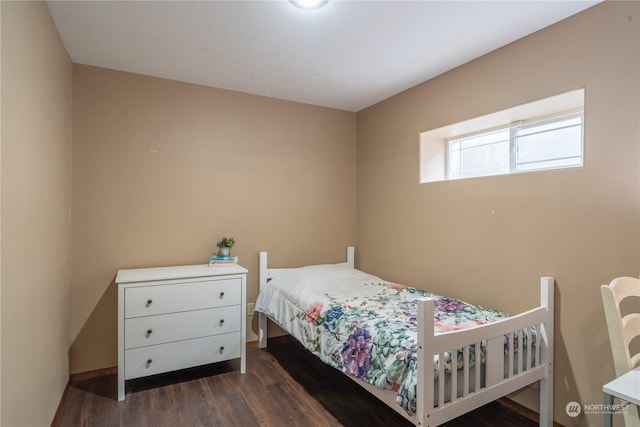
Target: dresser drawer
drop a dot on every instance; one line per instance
(163, 328)
(160, 299)
(155, 359)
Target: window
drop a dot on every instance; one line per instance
(551, 143)
(539, 135)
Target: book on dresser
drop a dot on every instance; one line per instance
(172, 318)
(223, 261)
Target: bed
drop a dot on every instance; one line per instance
(427, 357)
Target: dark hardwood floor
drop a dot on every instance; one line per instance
(284, 386)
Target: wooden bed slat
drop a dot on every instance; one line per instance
(510, 343)
(538, 349)
(466, 360)
(526, 363)
(441, 378)
(454, 375)
(478, 349)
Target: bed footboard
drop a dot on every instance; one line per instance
(518, 351)
(523, 342)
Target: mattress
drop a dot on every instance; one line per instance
(363, 325)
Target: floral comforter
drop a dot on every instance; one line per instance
(361, 324)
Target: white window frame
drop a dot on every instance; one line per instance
(540, 121)
(433, 150)
(512, 128)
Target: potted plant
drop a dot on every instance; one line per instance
(224, 246)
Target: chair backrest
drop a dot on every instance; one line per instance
(622, 329)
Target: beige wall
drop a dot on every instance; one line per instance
(0, 216)
(36, 202)
(162, 170)
(487, 240)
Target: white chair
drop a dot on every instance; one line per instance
(622, 330)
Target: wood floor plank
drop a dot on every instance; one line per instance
(284, 386)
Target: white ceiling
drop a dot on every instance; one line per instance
(347, 55)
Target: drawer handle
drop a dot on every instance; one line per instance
(149, 301)
(221, 294)
(221, 349)
(149, 362)
(221, 322)
(149, 332)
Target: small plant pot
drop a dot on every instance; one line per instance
(224, 251)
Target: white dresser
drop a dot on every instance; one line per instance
(173, 318)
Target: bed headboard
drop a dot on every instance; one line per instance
(267, 273)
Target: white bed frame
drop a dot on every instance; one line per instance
(527, 371)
